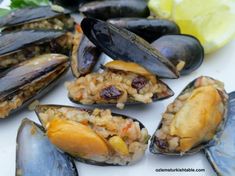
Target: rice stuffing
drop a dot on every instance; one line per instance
(118, 87)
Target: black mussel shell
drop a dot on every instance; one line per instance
(184, 48)
(148, 29)
(26, 15)
(36, 156)
(29, 73)
(114, 9)
(41, 108)
(67, 3)
(15, 41)
(154, 149)
(221, 156)
(84, 56)
(73, 4)
(118, 43)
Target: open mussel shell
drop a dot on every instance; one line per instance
(29, 80)
(193, 121)
(118, 43)
(91, 141)
(148, 29)
(15, 41)
(31, 15)
(184, 51)
(221, 156)
(84, 55)
(16, 47)
(114, 9)
(36, 156)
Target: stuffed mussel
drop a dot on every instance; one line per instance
(43, 17)
(84, 54)
(114, 9)
(36, 156)
(193, 120)
(29, 80)
(94, 136)
(221, 156)
(121, 44)
(120, 83)
(19, 46)
(148, 29)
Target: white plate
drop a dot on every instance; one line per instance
(219, 65)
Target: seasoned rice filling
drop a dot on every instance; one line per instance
(114, 87)
(6, 106)
(114, 130)
(63, 22)
(183, 126)
(61, 45)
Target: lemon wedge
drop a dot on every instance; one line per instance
(211, 21)
(162, 8)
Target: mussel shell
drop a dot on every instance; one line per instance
(148, 29)
(114, 9)
(153, 149)
(41, 108)
(36, 156)
(178, 48)
(73, 4)
(27, 15)
(15, 41)
(221, 156)
(84, 57)
(118, 43)
(28, 72)
(67, 3)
